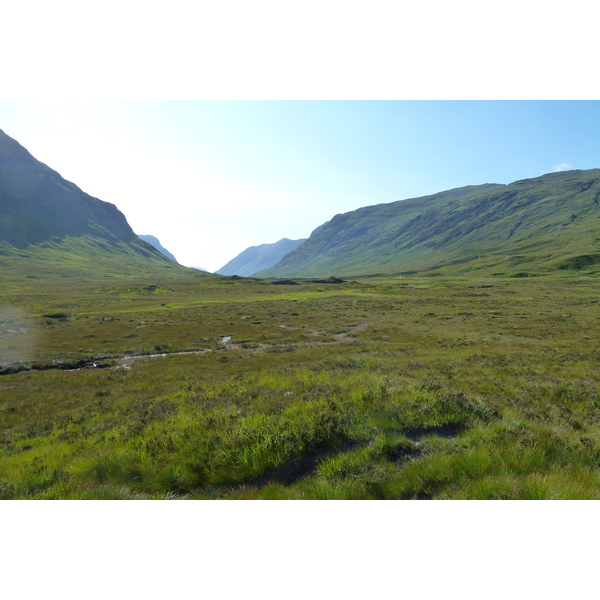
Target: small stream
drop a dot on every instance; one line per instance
(123, 361)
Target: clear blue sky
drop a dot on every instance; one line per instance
(210, 178)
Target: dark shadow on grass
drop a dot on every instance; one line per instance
(307, 465)
(448, 431)
(289, 474)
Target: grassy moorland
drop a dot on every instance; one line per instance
(216, 387)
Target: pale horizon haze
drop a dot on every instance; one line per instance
(211, 178)
(263, 145)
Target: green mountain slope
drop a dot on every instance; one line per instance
(257, 258)
(530, 226)
(48, 225)
(154, 241)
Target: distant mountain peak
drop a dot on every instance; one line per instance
(154, 241)
(257, 258)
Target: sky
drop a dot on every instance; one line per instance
(210, 178)
(219, 125)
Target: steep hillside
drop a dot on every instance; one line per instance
(257, 258)
(154, 241)
(49, 225)
(531, 226)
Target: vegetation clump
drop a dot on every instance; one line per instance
(379, 389)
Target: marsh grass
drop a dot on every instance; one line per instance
(380, 388)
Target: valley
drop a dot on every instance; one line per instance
(373, 388)
(443, 347)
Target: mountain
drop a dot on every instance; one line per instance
(531, 226)
(257, 258)
(49, 225)
(154, 241)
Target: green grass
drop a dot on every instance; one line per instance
(540, 226)
(370, 389)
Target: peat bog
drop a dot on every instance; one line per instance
(235, 388)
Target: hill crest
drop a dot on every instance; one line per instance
(539, 222)
(50, 224)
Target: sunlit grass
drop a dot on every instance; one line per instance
(449, 389)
